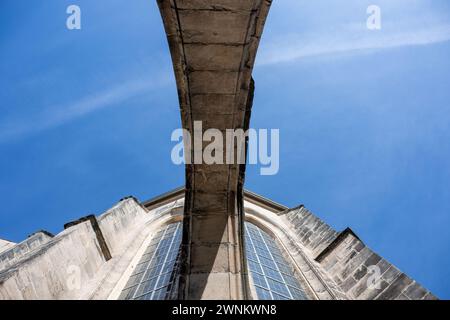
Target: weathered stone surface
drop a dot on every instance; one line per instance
(14, 253)
(214, 57)
(312, 232)
(391, 274)
(415, 292)
(402, 297)
(430, 296)
(5, 245)
(210, 203)
(364, 292)
(360, 272)
(203, 233)
(127, 230)
(213, 104)
(219, 122)
(214, 27)
(200, 258)
(213, 285)
(207, 82)
(396, 288)
(44, 273)
(220, 5)
(348, 284)
(52, 269)
(213, 46)
(210, 179)
(97, 231)
(348, 263)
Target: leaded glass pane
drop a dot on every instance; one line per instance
(153, 276)
(271, 274)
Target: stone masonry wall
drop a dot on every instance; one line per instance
(5, 245)
(73, 263)
(47, 273)
(314, 234)
(19, 251)
(360, 273)
(118, 224)
(213, 45)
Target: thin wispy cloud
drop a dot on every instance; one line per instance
(348, 40)
(56, 115)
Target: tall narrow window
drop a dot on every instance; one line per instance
(152, 279)
(272, 275)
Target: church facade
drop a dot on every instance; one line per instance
(210, 239)
(132, 252)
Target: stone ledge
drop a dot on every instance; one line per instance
(98, 233)
(335, 243)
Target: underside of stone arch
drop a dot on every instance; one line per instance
(213, 44)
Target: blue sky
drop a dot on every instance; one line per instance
(86, 118)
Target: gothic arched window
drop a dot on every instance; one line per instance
(152, 279)
(271, 274)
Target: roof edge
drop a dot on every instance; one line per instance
(248, 195)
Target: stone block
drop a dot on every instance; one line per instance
(396, 288)
(204, 26)
(353, 264)
(216, 104)
(213, 57)
(364, 291)
(213, 203)
(210, 229)
(415, 291)
(219, 5)
(211, 259)
(372, 260)
(213, 82)
(391, 274)
(213, 286)
(360, 272)
(430, 296)
(348, 284)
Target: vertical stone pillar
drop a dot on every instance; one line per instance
(213, 44)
